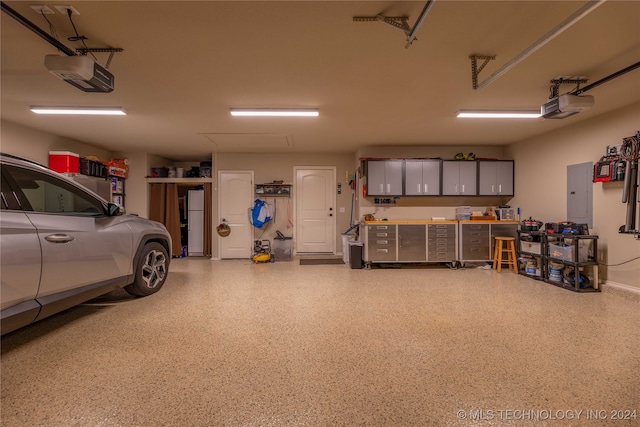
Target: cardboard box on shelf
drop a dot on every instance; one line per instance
(118, 167)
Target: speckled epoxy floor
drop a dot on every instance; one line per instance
(231, 343)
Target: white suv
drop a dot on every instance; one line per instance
(61, 245)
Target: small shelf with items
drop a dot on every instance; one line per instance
(530, 259)
(565, 260)
(273, 189)
(117, 190)
(568, 257)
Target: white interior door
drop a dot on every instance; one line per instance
(236, 198)
(315, 210)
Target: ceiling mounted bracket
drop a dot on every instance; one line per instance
(555, 85)
(475, 69)
(550, 35)
(396, 21)
(400, 22)
(109, 50)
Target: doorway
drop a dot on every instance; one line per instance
(235, 201)
(315, 221)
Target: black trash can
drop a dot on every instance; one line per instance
(355, 254)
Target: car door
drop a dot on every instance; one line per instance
(20, 257)
(81, 245)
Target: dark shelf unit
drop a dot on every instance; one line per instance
(529, 245)
(580, 254)
(273, 189)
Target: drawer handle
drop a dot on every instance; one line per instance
(381, 227)
(381, 234)
(475, 241)
(441, 235)
(382, 250)
(382, 242)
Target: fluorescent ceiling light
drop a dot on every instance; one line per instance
(498, 114)
(275, 112)
(108, 111)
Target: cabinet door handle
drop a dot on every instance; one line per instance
(381, 188)
(388, 188)
(418, 187)
(456, 188)
(463, 188)
(493, 188)
(499, 188)
(426, 188)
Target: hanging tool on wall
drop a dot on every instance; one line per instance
(630, 153)
(611, 166)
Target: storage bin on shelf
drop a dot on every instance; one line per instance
(463, 213)
(64, 161)
(567, 251)
(531, 247)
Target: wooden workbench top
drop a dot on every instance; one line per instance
(412, 221)
(444, 221)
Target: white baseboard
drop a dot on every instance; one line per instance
(627, 291)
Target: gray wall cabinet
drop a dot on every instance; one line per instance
(459, 178)
(384, 177)
(422, 177)
(495, 178)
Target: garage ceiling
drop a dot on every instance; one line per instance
(185, 64)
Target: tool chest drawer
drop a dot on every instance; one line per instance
(381, 243)
(381, 250)
(475, 242)
(381, 231)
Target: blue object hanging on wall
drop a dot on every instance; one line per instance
(261, 213)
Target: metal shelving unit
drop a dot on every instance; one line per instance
(577, 257)
(529, 245)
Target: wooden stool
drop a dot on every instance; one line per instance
(510, 249)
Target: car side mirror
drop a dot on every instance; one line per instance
(115, 210)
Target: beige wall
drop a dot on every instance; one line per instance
(35, 145)
(269, 167)
(541, 185)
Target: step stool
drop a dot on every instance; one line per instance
(510, 249)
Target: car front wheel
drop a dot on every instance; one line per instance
(151, 270)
